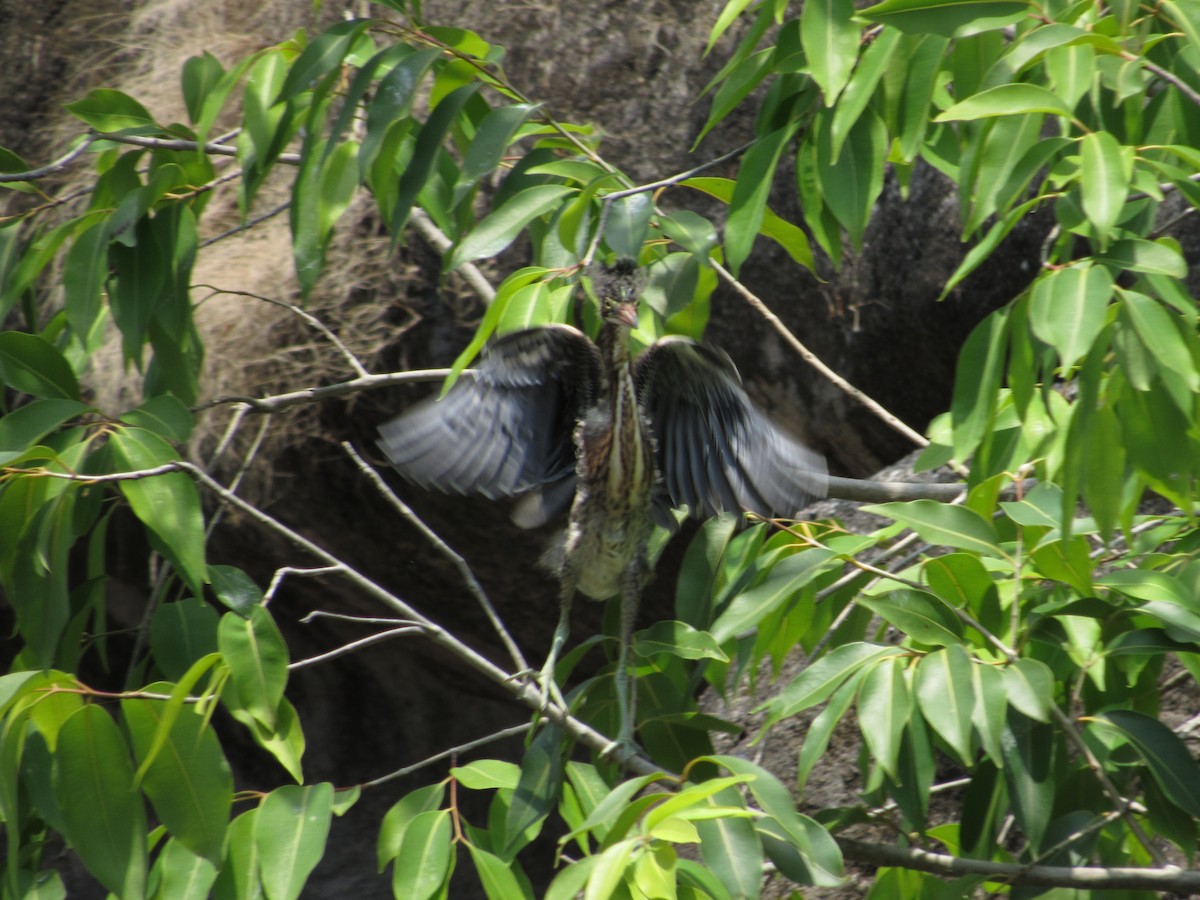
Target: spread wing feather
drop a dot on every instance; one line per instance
(507, 428)
(716, 451)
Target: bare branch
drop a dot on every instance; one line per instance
(51, 168)
(446, 754)
(1165, 878)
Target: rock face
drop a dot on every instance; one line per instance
(633, 68)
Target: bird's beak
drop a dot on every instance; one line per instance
(627, 314)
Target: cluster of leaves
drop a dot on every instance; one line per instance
(1024, 644)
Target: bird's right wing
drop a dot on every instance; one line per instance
(717, 452)
(508, 427)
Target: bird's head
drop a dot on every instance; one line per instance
(619, 288)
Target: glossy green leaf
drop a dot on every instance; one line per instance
(1067, 309)
(407, 808)
(919, 615)
(106, 109)
(628, 220)
(1148, 584)
(1156, 329)
(748, 204)
(537, 791)
(731, 850)
(323, 54)
(491, 142)
(424, 860)
(1006, 100)
(977, 379)
(945, 17)
(235, 589)
(167, 504)
(189, 781)
(181, 633)
(290, 831)
(690, 231)
(25, 426)
(822, 678)
(426, 151)
(104, 818)
(165, 415)
(392, 102)
(788, 236)
(496, 876)
(830, 40)
(781, 585)
(677, 639)
(30, 363)
(1029, 686)
(1104, 181)
(84, 270)
(1151, 257)
(943, 523)
(991, 703)
(182, 875)
(257, 658)
(239, 876)
(1028, 754)
(883, 708)
(946, 692)
(1165, 754)
(852, 181)
(500, 227)
(201, 75)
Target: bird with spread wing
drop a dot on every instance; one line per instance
(577, 425)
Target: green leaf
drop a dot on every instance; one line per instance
(235, 589)
(257, 658)
(491, 142)
(1029, 686)
(289, 834)
(690, 231)
(104, 818)
(822, 678)
(989, 714)
(323, 54)
(500, 227)
(537, 792)
(181, 633)
(488, 774)
(1167, 757)
(945, 17)
(24, 427)
(1103, 180)
(731, 849)
(781, 585)
(830, 40)
(189, 781)
(1067, 309)
(677, 639)
(167, 504)
(1006, 100)
(496, 876)
(239, 877)
(407, 808)
(201, 75)
(1028, 753)
(1160, 257)
(1148, 584)
(748, 204)
(108, 110)
(788, 236)
(1156, 329)
(921, 616)
(883, 708)
(852, 181)
(182, 875)
(943, 523)
(977, 380)
(165, 415)
(424, 860)
(946, 692)
(30, 363)
(628, 220)
(84, 271)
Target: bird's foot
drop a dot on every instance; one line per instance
(546, 685)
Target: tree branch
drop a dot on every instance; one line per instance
(1167, 878)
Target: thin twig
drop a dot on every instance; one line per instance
(445, 754)
(310, 395)
(464, 571)
(313, 572)
(355, 646)
(50, 168)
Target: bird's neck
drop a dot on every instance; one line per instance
(614, 348)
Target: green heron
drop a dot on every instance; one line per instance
(550, 415)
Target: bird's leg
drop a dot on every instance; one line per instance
(631, 587)
(562, 631)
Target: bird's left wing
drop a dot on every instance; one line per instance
(717, 452)
(507, 428)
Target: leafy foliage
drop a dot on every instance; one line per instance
(1023, 644)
